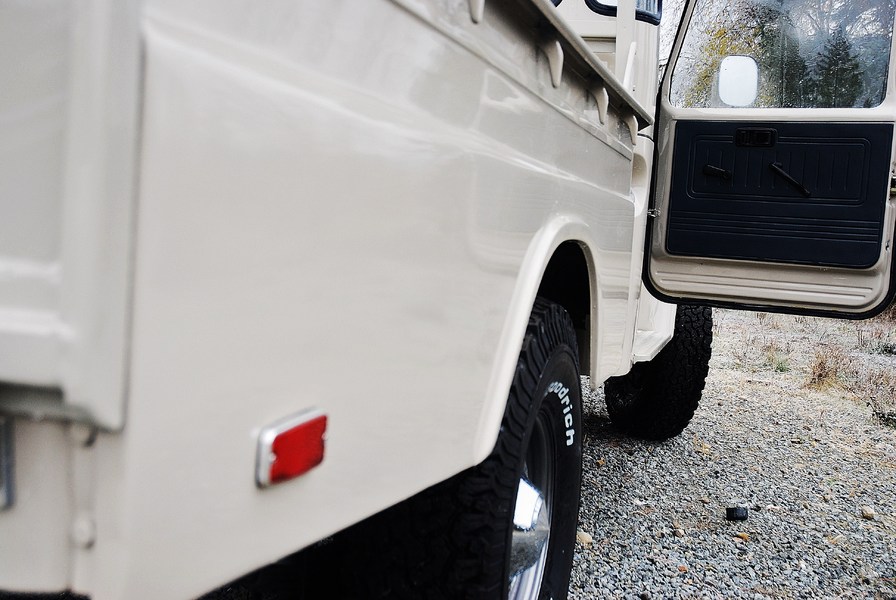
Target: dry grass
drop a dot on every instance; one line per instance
(854, 368)
(827, 366)
(889, 315)
(744, 354)
(776, 357)
(853, 361)
(858, 357)
(879, 388)
(879, 384)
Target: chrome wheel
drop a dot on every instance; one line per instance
(532, 516)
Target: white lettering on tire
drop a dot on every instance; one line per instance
(563, 395)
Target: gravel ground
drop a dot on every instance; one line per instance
(815, 469)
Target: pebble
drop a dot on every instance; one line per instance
(583, 537)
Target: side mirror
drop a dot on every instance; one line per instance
(738, 80)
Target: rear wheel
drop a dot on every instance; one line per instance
(522, 503)
(657, 399)
(505, 528)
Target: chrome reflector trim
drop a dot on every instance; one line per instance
(266, 457)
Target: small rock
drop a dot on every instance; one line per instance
(704, 500)
(682, 569)
(868, 513)
(837, 539)
(868, 575)
(584, 538)
(678, 532)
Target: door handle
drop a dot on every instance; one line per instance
(779, 169)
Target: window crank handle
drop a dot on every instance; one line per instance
(779, 169)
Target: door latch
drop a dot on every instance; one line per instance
(7, 495)
(755, 137)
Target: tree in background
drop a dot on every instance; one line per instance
(838, 74)
(785, 79)
(721, 42)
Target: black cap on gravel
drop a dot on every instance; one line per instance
(736, 513)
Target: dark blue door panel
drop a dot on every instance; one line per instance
(803, 193)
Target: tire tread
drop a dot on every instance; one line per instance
(657, 399)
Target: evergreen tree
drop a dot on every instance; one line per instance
(785, 81)
(838, 75)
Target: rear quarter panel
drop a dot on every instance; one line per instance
(342, 205)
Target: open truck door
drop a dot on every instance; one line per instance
(775, 158)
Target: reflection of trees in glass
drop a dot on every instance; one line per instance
(838, 75)
(719, 44)
(811, 53)
(763, 32)
(785, 80)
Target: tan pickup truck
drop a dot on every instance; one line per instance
(268, 269)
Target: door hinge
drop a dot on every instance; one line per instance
(893, 186)
(653, 212)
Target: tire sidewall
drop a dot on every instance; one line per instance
(557, 401)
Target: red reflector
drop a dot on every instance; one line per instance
(291, 447)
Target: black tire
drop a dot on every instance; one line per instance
(454, 540)
(656, 400)
(541, 440)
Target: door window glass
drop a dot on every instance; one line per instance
(810, 53)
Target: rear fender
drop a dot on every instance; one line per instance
(560, 229)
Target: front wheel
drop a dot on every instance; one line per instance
(657, 399)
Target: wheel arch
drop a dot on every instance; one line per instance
(567, 282)
(560, 266)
